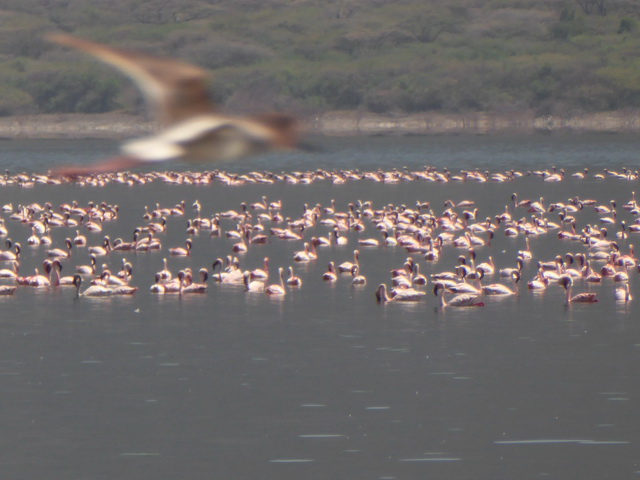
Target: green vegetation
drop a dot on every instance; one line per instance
(386, 56)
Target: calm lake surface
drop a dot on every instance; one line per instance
(323, 382)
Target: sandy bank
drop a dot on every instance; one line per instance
(337, 123)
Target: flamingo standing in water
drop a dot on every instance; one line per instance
(59, 252)
(261, 273)
(12, 271)
(500, 289)
(182, 251)
(252, 286)
(357, 279)
(463, 300)
(400, 295)
(92, 291)
(102, 290)
(37, 279)
(345, 267)
(232, 274)
(586, 297)
(293, 280)
(55, 267)
(187, 285)
(8, 255)
(330, 275)
(277, 288)
(622, 294)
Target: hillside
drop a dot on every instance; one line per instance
(311, 56)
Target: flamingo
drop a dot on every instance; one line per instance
(182, 251)
(12, 271)
(622, 294)
(241, 245)
(101, 250)
(3, 229)
(418, 278)
(233, 275)
(158, 287)
(92, 291)
(293, 280)
(8, 255)
(526, 254)
(487, 268)
(79, 240)
(369, 242)
(357, 278)
(174, 285)
(34, 239)
(59, 280)
(330, 275)
(261, 273)
(539, 282)
(59, 252)
(187, 285)
(507, 272)
(277, 288)
(500, 289)
(165, 274)
(107, 279)
(338, 238)
(463, 300)
(590, 275)
(304, 255)
(345, 267)
(586, 297)
(37, 279)
(252, 286)
(402, 295)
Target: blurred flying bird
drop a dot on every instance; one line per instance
(191, 128)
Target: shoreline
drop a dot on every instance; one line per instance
(335, 123)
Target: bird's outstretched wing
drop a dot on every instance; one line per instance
(174, 90)
(103, 166)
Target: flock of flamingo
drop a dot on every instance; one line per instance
(194, 131)
(601, 251)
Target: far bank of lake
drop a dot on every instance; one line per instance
(337, 123)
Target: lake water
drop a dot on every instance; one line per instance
(323, 382)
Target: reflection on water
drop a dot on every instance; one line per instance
(322, 382)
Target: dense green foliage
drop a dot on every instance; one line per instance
(551, 56)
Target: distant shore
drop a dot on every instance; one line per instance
(336, 123)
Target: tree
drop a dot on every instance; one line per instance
(593, 6)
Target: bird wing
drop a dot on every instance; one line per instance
(204, 138)
(174, 90)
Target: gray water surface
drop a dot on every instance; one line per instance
(324, 382)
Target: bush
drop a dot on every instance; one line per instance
(14, 101)
(627, 25)
(75, 90)
(219, 53)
